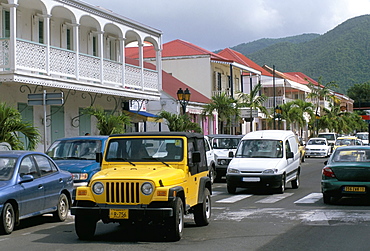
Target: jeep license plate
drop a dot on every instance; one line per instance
(118, 213)
(354, 189)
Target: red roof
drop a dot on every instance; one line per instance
(243, 60)
(300, 77)
(175, 48)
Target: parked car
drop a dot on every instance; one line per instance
(31, 184)
(265, 159)
(347, 141)
(77, 155)
(5, 146)
(318, 147)
(222, 145)
(210, 159)
(331, 137)
(346, 173)
(364, 136)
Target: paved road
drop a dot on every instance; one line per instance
(249, 220)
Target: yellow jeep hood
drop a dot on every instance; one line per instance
(168, 175)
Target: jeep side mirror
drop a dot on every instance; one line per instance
(289, 155)
(99, 157)
(195, 157)
(231, 154)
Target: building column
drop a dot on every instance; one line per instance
(158, 60)
(13, 33)
(141, 64)
(76, 48)
(47, 40)
(122, 59)
(101, 55)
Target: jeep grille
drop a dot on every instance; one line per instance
(123, 192)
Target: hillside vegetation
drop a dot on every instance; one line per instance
(340, 55)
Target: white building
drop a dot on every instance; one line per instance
(75, 48)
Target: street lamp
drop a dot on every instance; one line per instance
(317, 118)
(278, 111)
(183, 97)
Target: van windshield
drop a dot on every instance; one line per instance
(260, 148)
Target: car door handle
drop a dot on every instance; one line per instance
(60, 180)
(40, 186)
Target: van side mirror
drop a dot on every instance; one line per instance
(289, 155)
(231, 154)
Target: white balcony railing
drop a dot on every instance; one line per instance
(32, 57)
(270, 103)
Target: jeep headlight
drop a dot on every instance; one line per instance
(269, 171)
(98, 188)
(147, 188)
(233, 170)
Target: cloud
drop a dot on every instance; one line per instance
(217, 24)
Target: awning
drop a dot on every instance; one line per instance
(141, 116)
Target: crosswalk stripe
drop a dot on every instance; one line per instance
(311, 198)
(234, 198)
(274, 198)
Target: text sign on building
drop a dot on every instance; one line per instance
(246, 113)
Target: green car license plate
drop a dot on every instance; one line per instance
(118, 213)
(354, 189)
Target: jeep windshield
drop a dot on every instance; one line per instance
(257, 148)
(145, 150)
(74, 149)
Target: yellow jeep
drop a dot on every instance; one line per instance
(147, 178)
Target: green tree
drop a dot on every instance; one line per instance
(226, 107)
(11, 124)
(179, 123)
(294, 112)
(108, 123)
(360, 93)
(253, 100)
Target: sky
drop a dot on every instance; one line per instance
(219, 24)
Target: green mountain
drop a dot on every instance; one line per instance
(341, 55)
(251, 47)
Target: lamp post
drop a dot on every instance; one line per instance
(183, 97)
(278, 111)
(317, 117)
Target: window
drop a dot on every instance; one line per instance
(28, 167)
(45, 166)
(6, 23)
(41, 31)
(69, 38)
(95, 46)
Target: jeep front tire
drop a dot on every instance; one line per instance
(85, 227)
(175, 224)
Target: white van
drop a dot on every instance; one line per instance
(265, 159)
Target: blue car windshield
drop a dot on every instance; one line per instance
(74, 149)
(7, 167)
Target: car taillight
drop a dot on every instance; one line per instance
(326, 171)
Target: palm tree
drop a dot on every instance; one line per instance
(179, 123)
(225, 106)
(295, 111)
(253, 100)
(108, 123)
(11, 124)
(321, 92)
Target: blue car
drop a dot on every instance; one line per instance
(77, 155)
(31, 184)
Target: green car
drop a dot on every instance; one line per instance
(346, 173)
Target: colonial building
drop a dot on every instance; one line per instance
(74, 48)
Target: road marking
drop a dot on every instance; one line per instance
(309, 199)
(274, 198)
(234, 198)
